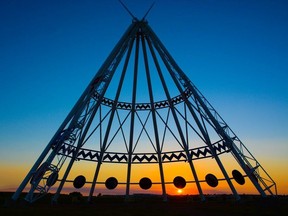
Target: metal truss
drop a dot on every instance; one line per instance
(189, 111)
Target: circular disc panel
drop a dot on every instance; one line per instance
(111, 183)
(145, 183)
(79, 181)
(51, 180)
(179, 182)
(238, 177)
(211, 180)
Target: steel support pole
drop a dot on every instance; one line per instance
(154, 118)
(131, 137)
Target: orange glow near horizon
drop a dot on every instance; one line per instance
(13, 175)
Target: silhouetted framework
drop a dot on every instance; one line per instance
(140, 108)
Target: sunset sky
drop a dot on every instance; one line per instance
(234, 51)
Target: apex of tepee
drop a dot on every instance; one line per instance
(134, 18)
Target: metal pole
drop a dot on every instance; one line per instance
(130, 149)
(154, 118)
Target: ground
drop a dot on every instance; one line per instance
(142, 205)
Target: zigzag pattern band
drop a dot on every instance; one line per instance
(143, 106)
(92, 155)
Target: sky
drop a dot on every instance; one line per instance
(235, 52)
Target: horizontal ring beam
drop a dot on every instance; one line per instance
(143, 106)
(137, 158)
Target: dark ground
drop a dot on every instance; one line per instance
(147, 205)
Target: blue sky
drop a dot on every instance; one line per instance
(235, 52)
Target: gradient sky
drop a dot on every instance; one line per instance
(234, 51)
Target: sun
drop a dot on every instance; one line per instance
(179, 191)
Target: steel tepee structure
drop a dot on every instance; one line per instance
(141, 110)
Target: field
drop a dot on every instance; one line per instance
(140, 205)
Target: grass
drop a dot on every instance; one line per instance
(148, 205)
